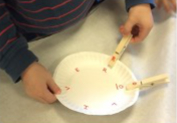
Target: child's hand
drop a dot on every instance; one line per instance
(139, 23)
(39, 83)
(169, 5)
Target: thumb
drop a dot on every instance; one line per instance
(53, 87)
(127, 27)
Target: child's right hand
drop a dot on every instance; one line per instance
(169, 5)
(139, 23)
(39, 84)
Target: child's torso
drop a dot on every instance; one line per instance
(47, 16)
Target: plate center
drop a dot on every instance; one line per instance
(92, 84)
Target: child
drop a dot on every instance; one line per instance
(24, 20)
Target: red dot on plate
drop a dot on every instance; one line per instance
(77, 69)
(67, 88)
(121, 86)
(105, 70)
(134, 83)
(85, 107)
(113, 58)
(114, 104)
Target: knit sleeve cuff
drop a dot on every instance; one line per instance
(131, 3)
(19, 63)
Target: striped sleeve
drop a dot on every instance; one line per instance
(14, 54)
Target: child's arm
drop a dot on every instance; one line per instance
(169, 5)
(140, 16)
(15, 58)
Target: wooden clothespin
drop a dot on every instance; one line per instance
(160, 79)
(119, 50)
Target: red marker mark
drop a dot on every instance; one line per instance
(121, 86)
(76, 69)
(113, 58)
(114, 104)
(67, 88)
(134, 83)
(85, 107)
(117, 87)
(105, 70)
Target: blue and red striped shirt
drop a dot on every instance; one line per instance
(22, 20)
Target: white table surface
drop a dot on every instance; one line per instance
(99, 33)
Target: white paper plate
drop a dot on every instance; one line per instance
(90, 87)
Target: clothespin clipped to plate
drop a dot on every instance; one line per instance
(148, 82)
(119, 50)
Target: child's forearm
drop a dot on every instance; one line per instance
(14, 55)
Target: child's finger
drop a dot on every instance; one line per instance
(174, 5)
(121, 29)
(128, 26)
(38, 98)
(143, 32)
(135, 30)
(48, 96)
(135, 40)
(158, 3)
(166, 5)
(41, 100)
(53, 87)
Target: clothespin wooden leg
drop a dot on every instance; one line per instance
(160, 79)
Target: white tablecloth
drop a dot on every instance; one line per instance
(99, 33)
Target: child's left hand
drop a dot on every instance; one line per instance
(139, 23)
(168, 5)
